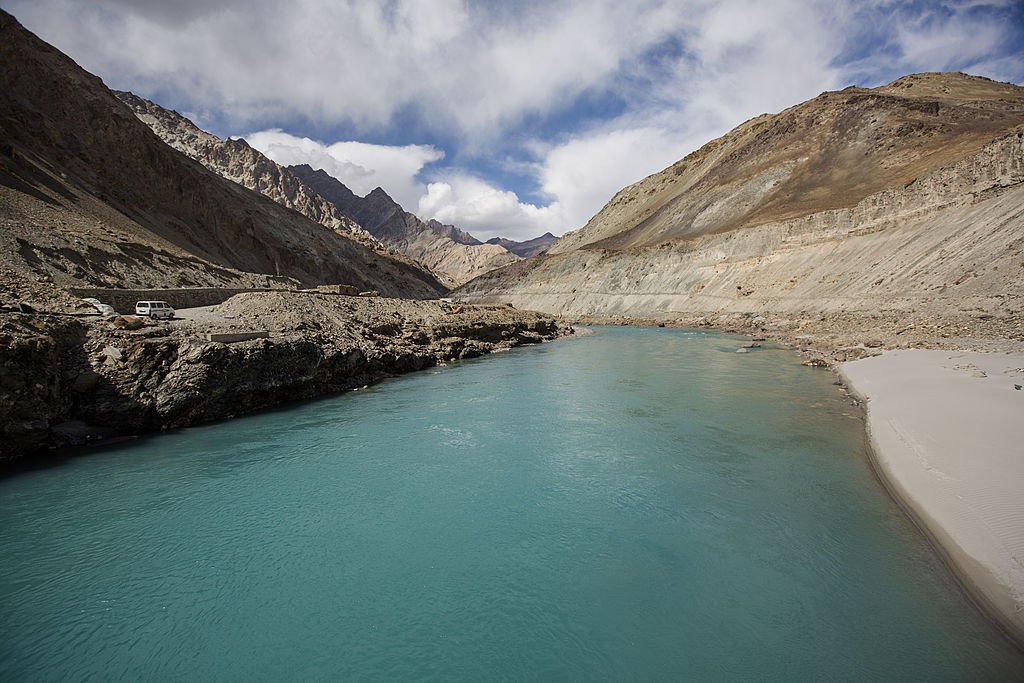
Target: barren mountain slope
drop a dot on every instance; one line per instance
(828, 153)
(238, 162)
(91, 196)
(449, 252)
(940, 255)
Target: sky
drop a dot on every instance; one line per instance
(509, 118)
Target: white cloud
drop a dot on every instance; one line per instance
(741, 59)
(484, 210)
(467, 68)
(585, 172)
(939, 43)
(656, 78)
(360, 166)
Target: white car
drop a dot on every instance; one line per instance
(154, 309)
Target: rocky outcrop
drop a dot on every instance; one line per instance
(89, 196)
(937, 255)
(37, 389)
(455, 256)
(71, 380)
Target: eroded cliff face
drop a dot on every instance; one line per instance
(942, 250)
(69, 381)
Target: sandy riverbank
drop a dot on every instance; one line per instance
(947, 430)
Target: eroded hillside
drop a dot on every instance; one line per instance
(882, 222)
(828, 153)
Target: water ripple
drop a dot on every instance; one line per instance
(631, 505)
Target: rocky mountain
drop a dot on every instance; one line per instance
(534, 247)
(828, 153)
(452, 254)
(898, 207)
(237, 161)
(90, 196)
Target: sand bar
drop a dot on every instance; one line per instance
(947, 430)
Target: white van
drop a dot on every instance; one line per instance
(154, 309)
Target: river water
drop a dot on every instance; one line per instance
(636, 504)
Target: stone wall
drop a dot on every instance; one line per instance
(347, 290)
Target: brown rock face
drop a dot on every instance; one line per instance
(89, 195)
(34, 393)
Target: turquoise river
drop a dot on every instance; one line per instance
(635, 504)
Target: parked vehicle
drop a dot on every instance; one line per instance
(154, 309)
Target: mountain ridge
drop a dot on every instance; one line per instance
(526, 248)
(827, 153)
(91, 196)
(236, 160)
(453, 254)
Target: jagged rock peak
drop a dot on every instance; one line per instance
(454, 255)
(239, 162)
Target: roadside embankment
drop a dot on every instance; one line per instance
(68, 380)
(948, 440)
(123, 300)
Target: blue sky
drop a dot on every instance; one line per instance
(509, 118)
